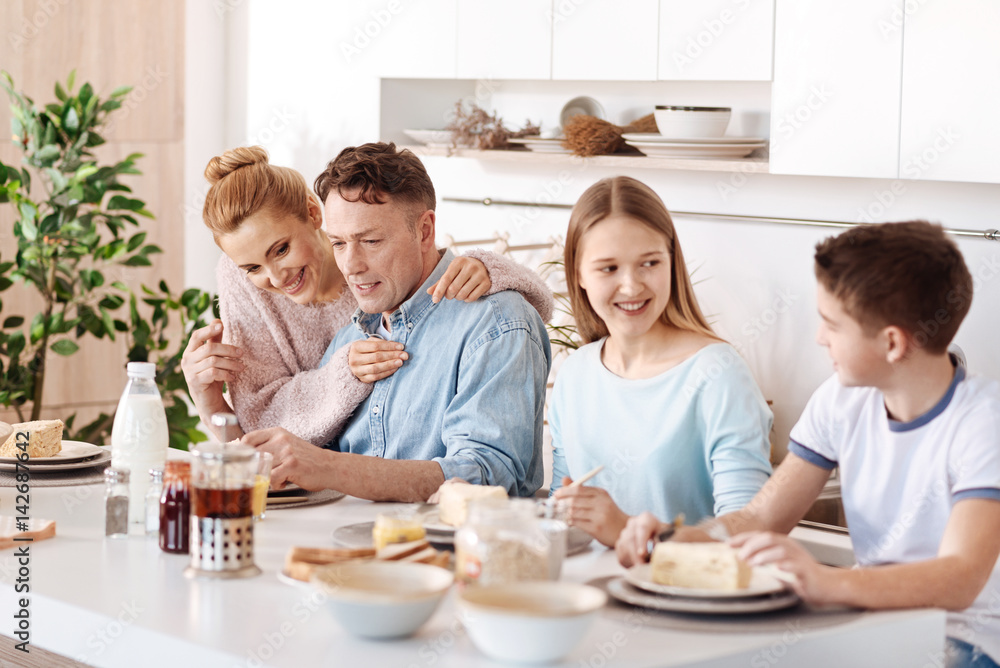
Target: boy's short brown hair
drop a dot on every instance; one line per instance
(375, 173)
(910, 275)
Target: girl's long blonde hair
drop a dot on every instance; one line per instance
(625, 196)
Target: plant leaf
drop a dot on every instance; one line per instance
(64, 347)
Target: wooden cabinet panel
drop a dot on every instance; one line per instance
(113, 44)
(836, 91)
(109, 43)
(602, 40)
(716, 40)
(505, 39)
(951, 61)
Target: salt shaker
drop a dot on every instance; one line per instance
(116, 502)
(153, 502)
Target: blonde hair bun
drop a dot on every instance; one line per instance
(242, 156)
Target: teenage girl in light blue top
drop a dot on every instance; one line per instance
(670, 410)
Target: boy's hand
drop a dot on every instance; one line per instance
(465, 278)
(374, 359)
(813, 582)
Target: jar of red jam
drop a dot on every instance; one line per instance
(175, 507)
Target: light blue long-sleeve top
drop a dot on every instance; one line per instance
(692, 440)
(470, 397)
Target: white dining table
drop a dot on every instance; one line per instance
(124, 603)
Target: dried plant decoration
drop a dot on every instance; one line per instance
(588, 136)
(474, 126)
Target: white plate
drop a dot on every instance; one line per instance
(541, 145)
(761, 584)
(675, 150)
(100, 459)
(620, 589)
(289, 580)
(430, 137)
(433, 523)
(72, 451)
(657, 138)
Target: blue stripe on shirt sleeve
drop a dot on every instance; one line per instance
(811, 456)
(978, 493)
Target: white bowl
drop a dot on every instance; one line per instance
(529, 622)
(382, 599)
(688, 122)
(580, 105)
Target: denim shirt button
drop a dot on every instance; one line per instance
(409, 325)
(375, 410)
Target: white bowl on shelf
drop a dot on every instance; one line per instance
(382, 599)
(529, 622)
(685, 122)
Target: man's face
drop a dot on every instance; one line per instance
(377, 249)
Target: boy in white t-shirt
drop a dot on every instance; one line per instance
(917, 440)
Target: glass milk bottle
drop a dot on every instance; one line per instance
(139, 435)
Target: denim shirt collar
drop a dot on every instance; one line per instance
(409, 312)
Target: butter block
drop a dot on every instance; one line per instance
(453, 506)
(699, 566)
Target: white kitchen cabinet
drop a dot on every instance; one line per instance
(837, 85)
(407, 39)
(604, 40)
(505, 39)
(716, 40)
(951, 60)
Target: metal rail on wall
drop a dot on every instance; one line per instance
(989, 234)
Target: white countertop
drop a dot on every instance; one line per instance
(125, 603)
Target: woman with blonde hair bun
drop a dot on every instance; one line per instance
(282, 299)
(655, 396)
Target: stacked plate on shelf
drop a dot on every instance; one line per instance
(765, 594)
(656, 145)
(540, 144)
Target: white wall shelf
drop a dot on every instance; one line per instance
(745, 165)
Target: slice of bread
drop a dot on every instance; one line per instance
(401, 551)
(35, 529)
(699, 566)
(300, 562)
(44, 439)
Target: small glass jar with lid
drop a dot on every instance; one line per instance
(153, 502)
(501, 542)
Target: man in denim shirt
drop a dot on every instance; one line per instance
(469, 401)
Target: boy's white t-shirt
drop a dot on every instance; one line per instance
(899, 480)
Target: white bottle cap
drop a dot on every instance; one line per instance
(142, 369)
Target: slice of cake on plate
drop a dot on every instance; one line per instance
(44, 439)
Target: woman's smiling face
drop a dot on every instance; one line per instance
(624, 268)
(285, 255)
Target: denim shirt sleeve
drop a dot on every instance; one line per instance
(492, 427)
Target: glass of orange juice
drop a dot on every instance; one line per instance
(261, 483)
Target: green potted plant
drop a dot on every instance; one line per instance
(76, 224)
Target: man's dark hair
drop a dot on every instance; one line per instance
(377, 173)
